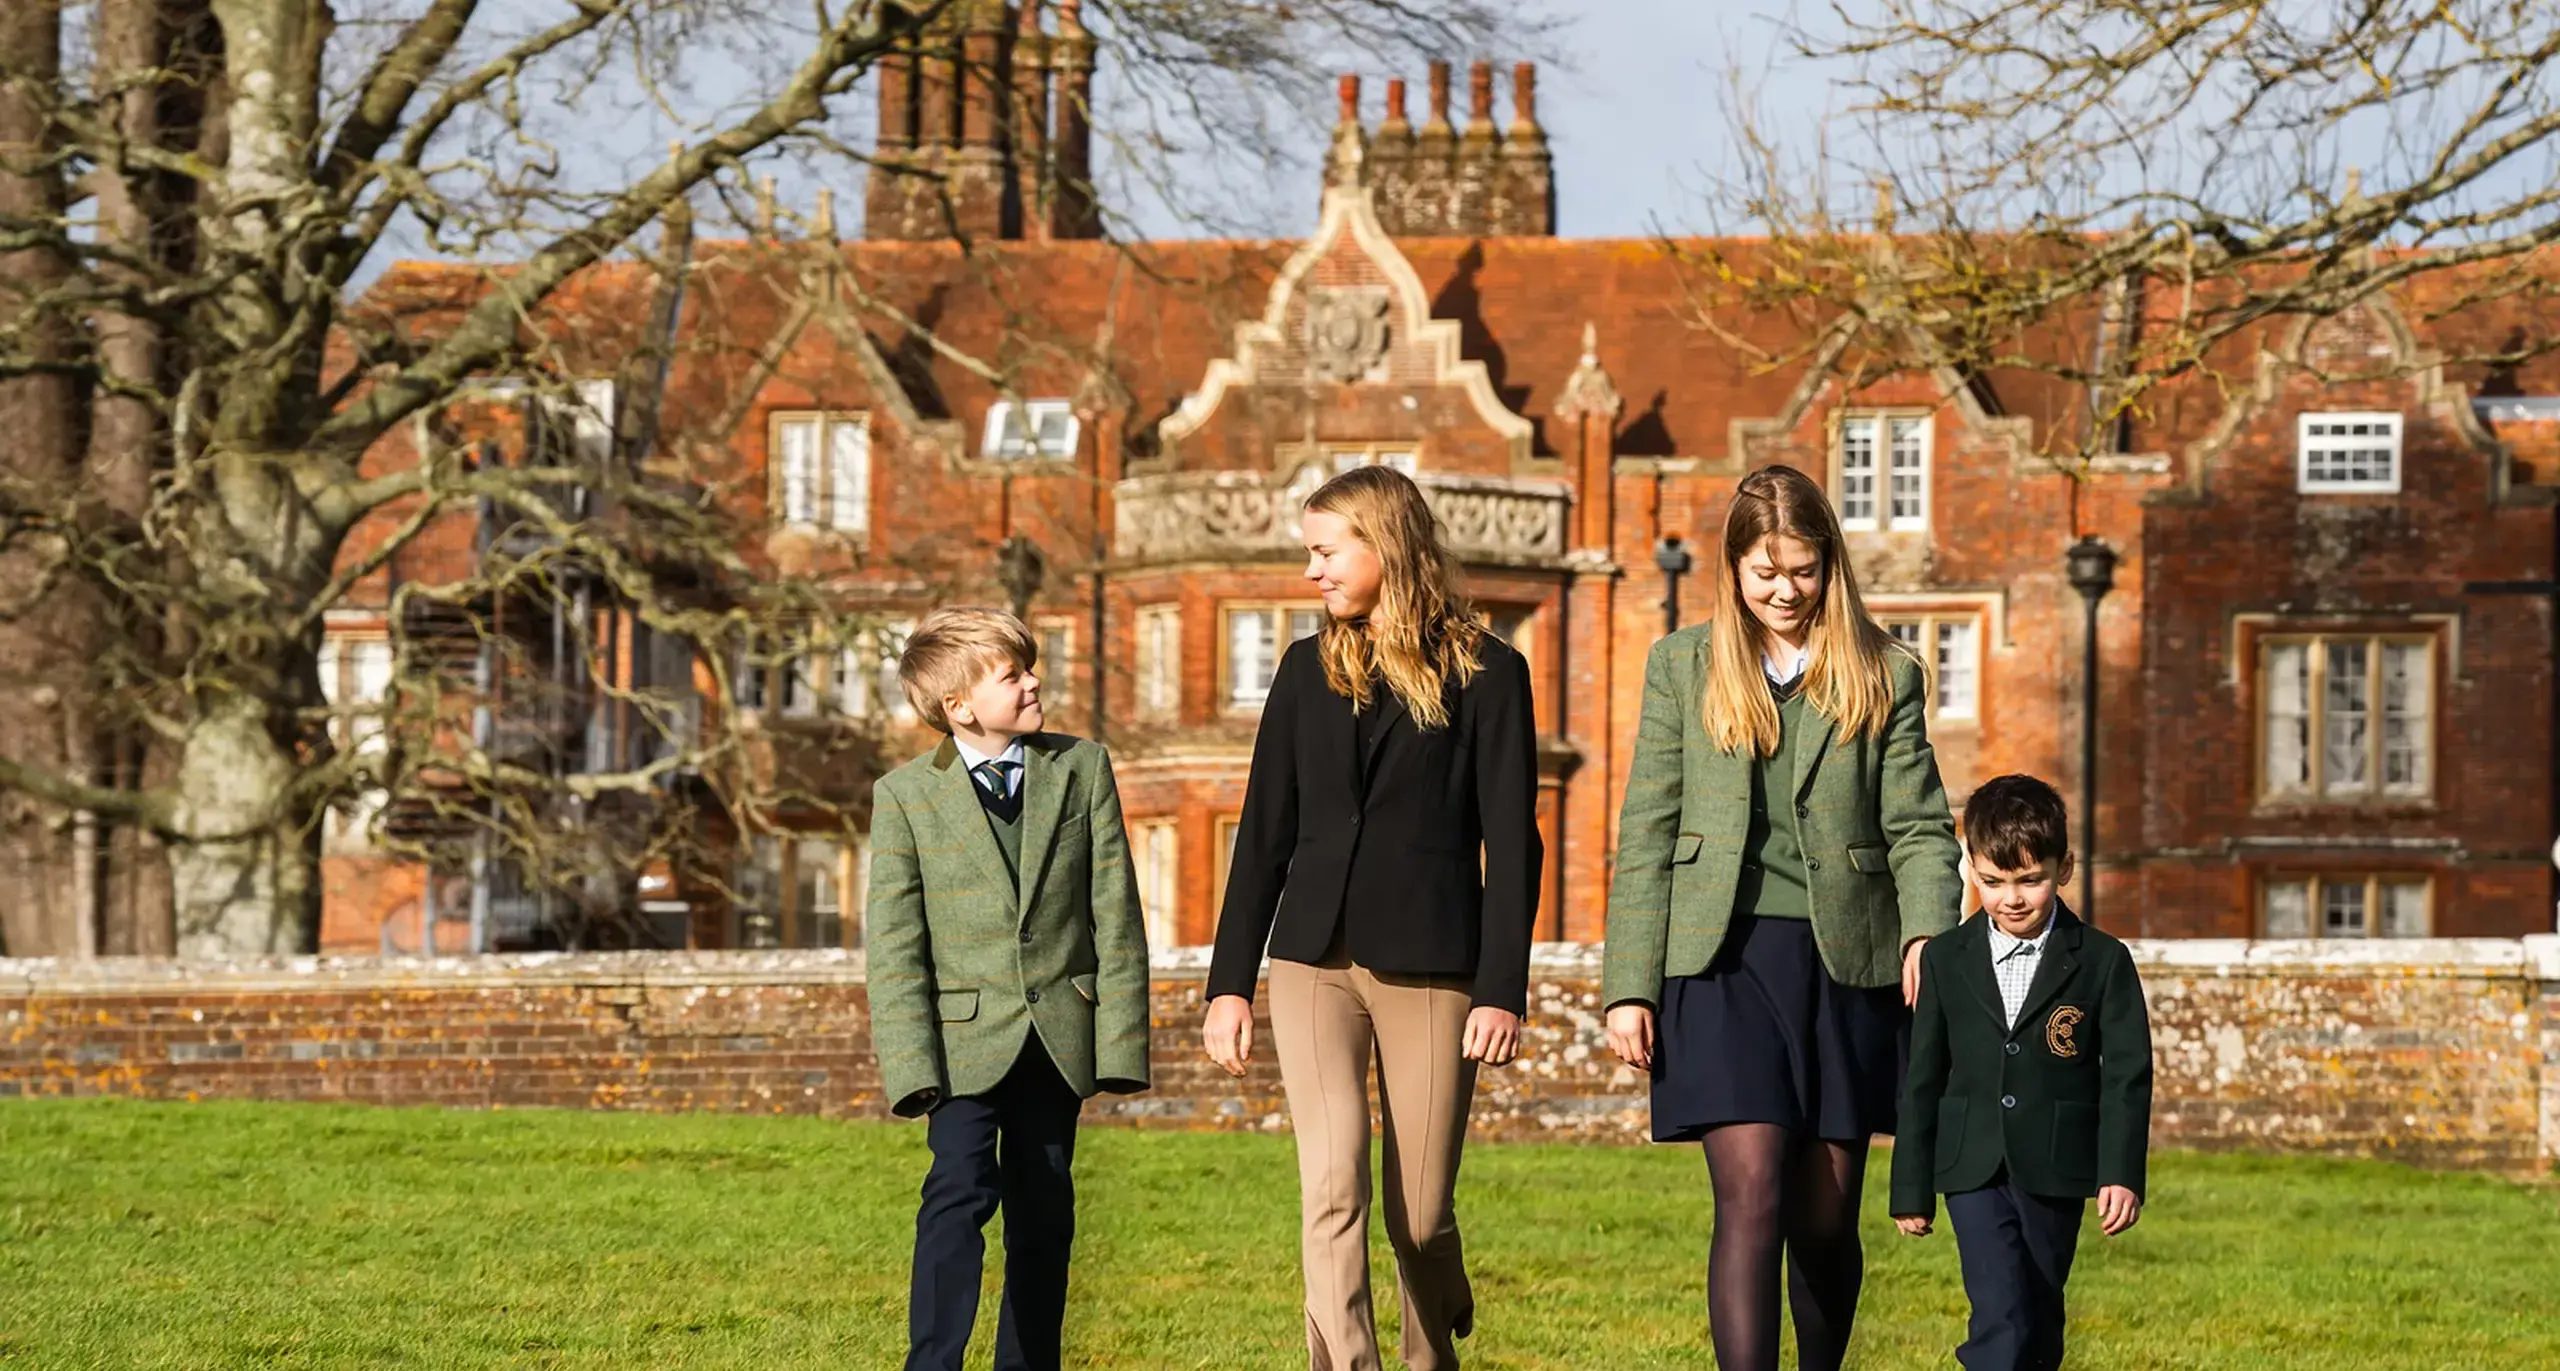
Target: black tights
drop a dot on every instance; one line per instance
(1779, 1192)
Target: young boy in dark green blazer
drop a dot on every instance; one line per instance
(1007, 973)
(2029, 1088)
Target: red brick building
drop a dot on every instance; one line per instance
(2326, 702)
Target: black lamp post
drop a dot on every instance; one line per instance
(1019, 569)
(2091, 569)
(1675, 561)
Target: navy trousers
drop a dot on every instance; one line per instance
(2016, 1251)
(1011, 1147)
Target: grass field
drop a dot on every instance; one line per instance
(214, 1235)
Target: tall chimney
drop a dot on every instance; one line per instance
(1427, 172)
(1524, 196)
(892, 183)
(1390, 164)
(1472, 177)
(1074, 212)
(977, 171)
(1030, 123)
(1344, 161)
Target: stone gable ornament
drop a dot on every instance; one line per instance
(1346, 331)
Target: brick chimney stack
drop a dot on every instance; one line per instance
(985, 128)
(1487, 181)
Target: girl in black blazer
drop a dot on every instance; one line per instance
(1388, 857)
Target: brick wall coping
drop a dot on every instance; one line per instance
(2536, 958)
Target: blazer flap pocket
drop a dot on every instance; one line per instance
(1084, 985)
(1950, 1130)
(1685, 851)
(1869, 858)
(956, 1005)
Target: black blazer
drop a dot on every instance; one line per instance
(1389, 841)
(2064, 1100)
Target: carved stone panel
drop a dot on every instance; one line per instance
(1346, 331)
(1236, 514)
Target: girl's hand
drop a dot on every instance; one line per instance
(1631, 1035)
(1912, 1225)
(1493, 1035)
(1911, 972)
(1227, 1034)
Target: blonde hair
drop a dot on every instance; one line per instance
(953, 649)
(1849, 667)
(1422, 634)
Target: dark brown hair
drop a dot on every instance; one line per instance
(2011, 821)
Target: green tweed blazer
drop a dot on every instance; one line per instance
(964, 961)
(1880, 847)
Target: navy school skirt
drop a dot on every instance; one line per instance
(1764, 1035)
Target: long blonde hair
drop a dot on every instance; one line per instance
(1849, 672)
(1422, 634)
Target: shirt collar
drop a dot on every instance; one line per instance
(2002, 944)
(973, 758)
(1783, 665)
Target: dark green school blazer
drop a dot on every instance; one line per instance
(964, 959)
(2063, 1100)
(1880, 848)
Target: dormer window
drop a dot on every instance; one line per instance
(2347, 454)
(822, 471)
(1883, 465)
(1030, 430)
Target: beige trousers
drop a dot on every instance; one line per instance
(1328, 1022)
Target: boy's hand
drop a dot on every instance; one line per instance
(1493, 1035)
(1631, 1035)
(2118, 1209)
(1912, 1225)
(1227, 1035)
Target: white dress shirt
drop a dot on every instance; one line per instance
(2013, 965)
(1794, 660)
(972, 758)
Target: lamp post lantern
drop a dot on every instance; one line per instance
(2091, 568)
(1675, 561)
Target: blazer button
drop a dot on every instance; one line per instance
(1813, 863)
(2006, 1101)
(2013, 1047)
(1026, 942)
(1804, 811)
(1035, 999)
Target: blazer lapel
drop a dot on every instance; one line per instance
(1044, 799)
(2053, 970)
(1809, 752)
(1391, 707)
(1973, 966)
(959, 809)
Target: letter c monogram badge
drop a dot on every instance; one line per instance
(2059, 1028)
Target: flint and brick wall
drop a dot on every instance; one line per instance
(2445, 1052)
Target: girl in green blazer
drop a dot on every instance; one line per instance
(1784, 849)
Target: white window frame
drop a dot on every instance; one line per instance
(1342, 457)
(2305, 444)
(1156, 847)
(2314, 787)
(1878, 507)
(1230, 696)
(863, 675)
(1013, 431)
(1932, 626)
(2317, 886)
(834, 494)
(1159, 661)
(1056, 669)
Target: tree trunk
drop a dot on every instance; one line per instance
(42, 647)
(248, 883)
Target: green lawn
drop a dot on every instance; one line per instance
(136, 1235)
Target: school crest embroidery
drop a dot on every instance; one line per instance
(2059, 1028)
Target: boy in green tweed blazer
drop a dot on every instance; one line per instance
(1008, 977)
(2029, 1090)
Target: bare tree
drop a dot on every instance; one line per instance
(208, 447)
(2124, 195)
